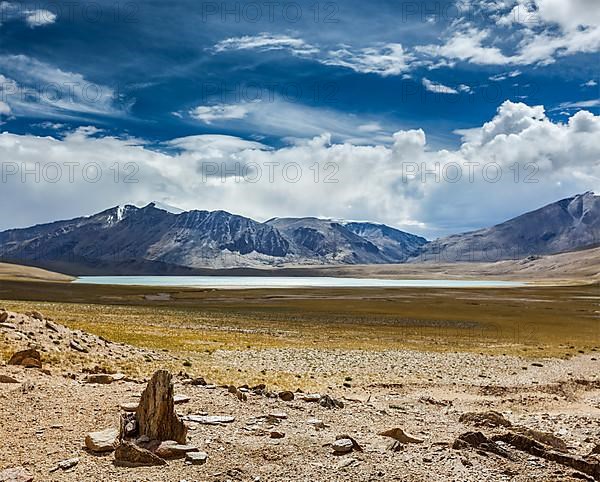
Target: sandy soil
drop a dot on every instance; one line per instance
(46, 415)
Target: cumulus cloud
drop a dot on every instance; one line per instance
(406, 183)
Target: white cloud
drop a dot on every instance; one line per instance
(39, 18)
(506, 75)
(210, 113)
(438, 88)
(265, 42)
(581, 104)
(590, 83)
(37, 89)
(385, 60)
(33, 18)
(371, 182)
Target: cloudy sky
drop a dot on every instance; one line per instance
(434, 117)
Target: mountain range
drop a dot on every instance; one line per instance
(156, 239)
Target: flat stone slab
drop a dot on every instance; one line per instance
(210, 419)
(196, 458)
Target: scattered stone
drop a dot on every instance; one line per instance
(8, 379)
(315, 422)
(395, 446)
(199, 381)
(196, 458)
(66, 464)
(129, 454)
(329, 402)
(3, 316)
(155, 415)
(342, 446)
(401, 436)
(52, 326)
(129, 406)
(36, 315)
(177, 399)
(311, 397)
(99, 378)
(535, 448)
(278, 415)
(15, 474)
(486, 419)
(27, 358)
(479, 441)
(77, 347)
(286, 396)
(170, 449)
(355, 444)
(9, 326)
(102, 441)
(275, 434)
(210, 419)
(546, 438)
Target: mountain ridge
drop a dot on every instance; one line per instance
(156, 240)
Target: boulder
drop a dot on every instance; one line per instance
(37, 315)
(27, 358)
(3, 316)
(156, 416)
(128, 454)
(102, 441)
(486, 419)
(77, 347)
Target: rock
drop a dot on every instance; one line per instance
(479, 441)
(395, 446)
(198, 381)
(311, 397)
(3, 316)
(156, 416)
(544, 437)
(102, 441)
(15, 474)
(66, 464)
(129, 406)
(27, 358)
(401, 436)
(9, 326)
(486, 419)
(128, 454)
(36, 315)
(278, 415)
(315, 422)
(7, 379)
(169, 449)
(177, 399)
(52, 326)
(526, 444)
(210, 419)
(328, 402)
(196, 458)
(342, 446)
(286, 396)
(100, 378)
(355, 445)
(275, 434)
(77, 347)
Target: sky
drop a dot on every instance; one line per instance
(432, 117)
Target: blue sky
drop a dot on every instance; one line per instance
(165, 75)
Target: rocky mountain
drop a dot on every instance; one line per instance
(162, 240)
(566, 225)
(157, 239)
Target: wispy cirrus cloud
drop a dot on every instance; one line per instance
(266, 42)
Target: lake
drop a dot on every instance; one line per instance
(289, 282)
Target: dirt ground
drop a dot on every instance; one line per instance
(45, 416)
